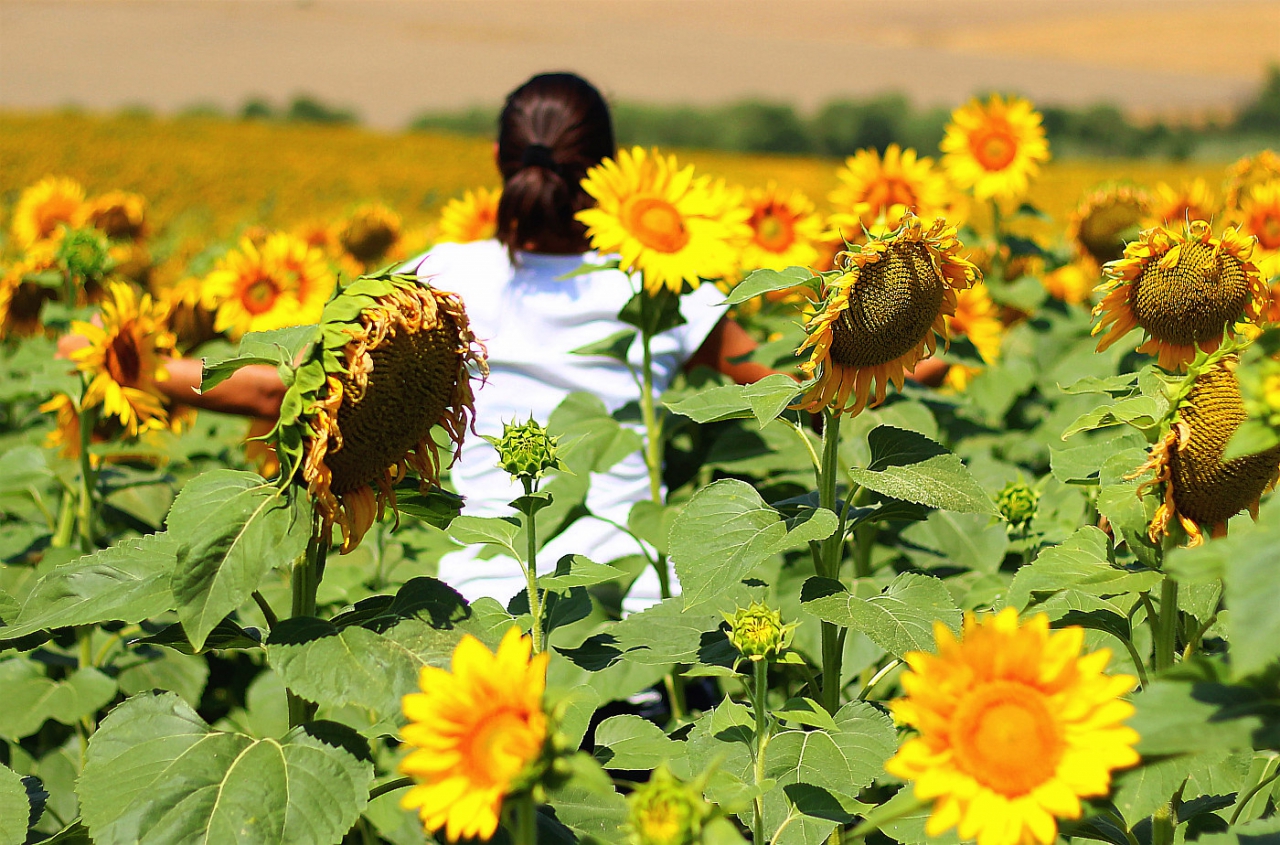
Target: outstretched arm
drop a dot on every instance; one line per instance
(252, 391)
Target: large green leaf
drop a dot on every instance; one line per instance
(14, 808)
(898, 620)
(631, 743)
(911, 467)
(128, 582)
(587, 803)
(764, 400)
(31, 697)
(157, 773)
(760, 282)
(233, 528)
(726, 530)
(1253, 626)
(969, 540)
(1081, 563)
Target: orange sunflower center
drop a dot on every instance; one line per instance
(889, 191)
(1005, 737)
(1192, 301)
(656, 223)
(123, 360)
(775, 230)
(500, 747)
(994, 147)
(259, 296)
(1265, 224)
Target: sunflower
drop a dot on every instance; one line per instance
(880, 316)
(1200, 490)
(391, 364)
(52, 202)
(22, 301)
(472, 218)
(192, 312)
(1015, 727)
(1070, 283)
(663, 222)
(1184, 290)
(783, 230)
(1250, 171)
(123, 359)
(1269, 271)
(284, 282)
(119, 215)
(978, 318)
(1105, 220)
(369, 233)
(65, 436)
(872, 187)
(1179, 206)
(994, 149)
(1259, 214)
(478, 733)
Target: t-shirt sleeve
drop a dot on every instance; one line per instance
(701, 309)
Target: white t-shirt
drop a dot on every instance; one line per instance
(530, 318)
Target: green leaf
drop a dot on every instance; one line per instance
(614, 346)
(806, 711)
(760, 282)
(898, 620)
(1138, 411)
(14, 808)
(1250, 590)
(489, 530)
(911, 467)
(24, 466)
(1080, 464)
(1122, 385)
(166, 669)
(438, 508)
(124, 583)
(587, 803)
(726, 530)
(764, 400)
(234, 528)
(30, 697)
(653, 314)
(275, 347)
(577, 571)
(1081, 563)
(157, 773)
(631, 743)
(969, 540)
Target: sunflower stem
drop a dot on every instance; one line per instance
(997, 233)
(829, 560)
(66, 521)
(649, 413)
(390, 786)
(88, 480)
(306, 581)
(526, 832)
(1166, 633)
(760, 703)
(531, 566)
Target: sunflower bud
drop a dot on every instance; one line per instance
(666, 811)
(1017, 503)
(526, 450)
(85, 253)
(757, 632)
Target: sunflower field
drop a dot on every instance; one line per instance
(990, 556)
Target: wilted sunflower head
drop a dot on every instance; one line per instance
(52, 202)
(390, 363)
(879, 317)
(1199, 488)
(119, 215)
(370, 233)
(1106, 220)
(1184, 289)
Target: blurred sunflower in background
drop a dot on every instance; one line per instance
(880, 317)
(1014, 726)
(1107, 219)
(1259, 214)
(1247, 172)
(119, 215)
(390, 364)
(994, 148)
(872, 187)
(784, 226)
(124, 359)
(370, 233)
(662, 222)
(1179, 206)
(1070, 283)
(978, 319)
(474, 217)
(284, 282)
(22, 300)
(52, 202)
(1185, 290)
(1199, 489)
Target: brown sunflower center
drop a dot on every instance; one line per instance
(259, 296)
(1103, 230)
(368, 239)
(656, 223)
(115, 222)
(123, 360)
(892, 305)
(774, 229)
(1005, 737)
(994, 147)
(1204, 488)
(1265, 225)
(1193, 300)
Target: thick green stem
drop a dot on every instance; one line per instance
(760, 691)
(649, 413)
(66, 521)
(526, 832)
(306, 582)
(88, 480)
(1166, 633)
(997, 233)
(829, 561)
(531, 568)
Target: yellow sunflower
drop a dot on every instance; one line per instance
(994, 149)
(1070, 283)
(879, 318)
(376, 385)
(1106, 220)
(1259, 214)
(119, 215)
(978, 318)
(784, 227)
(664, 223)
(1179, 206)
(1269, 271)
(1250, 171)
(1015, 727)
(472, 218)
(1184, 290)
(124, 359)
(52, 202)
(369, 233)
(284, 282)
(872, 187)
(22, 301)
(478, 734)
(1199, 489)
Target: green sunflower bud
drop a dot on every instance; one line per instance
(666, 811)
(757, 632)
(1017, 503)
(526, 450)
(85, 253)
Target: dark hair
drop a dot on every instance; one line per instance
(551, 131)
